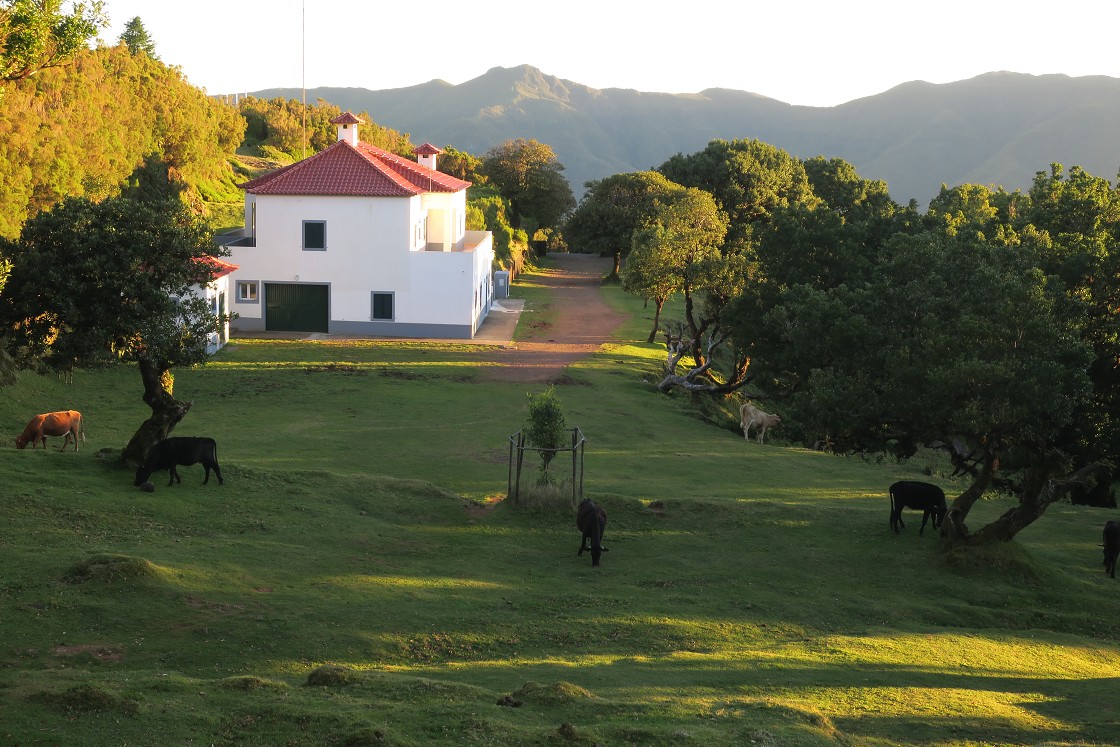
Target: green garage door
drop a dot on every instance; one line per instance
(292, 307)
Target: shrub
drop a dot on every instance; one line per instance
(547, 429)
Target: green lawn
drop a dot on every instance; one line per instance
(346, 587)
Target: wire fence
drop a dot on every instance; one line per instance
(517, 449)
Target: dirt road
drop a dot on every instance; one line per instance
(579, 322)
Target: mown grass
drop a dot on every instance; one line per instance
(352, 583)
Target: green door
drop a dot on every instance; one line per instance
(293, 307)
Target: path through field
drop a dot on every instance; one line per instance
(578, 322)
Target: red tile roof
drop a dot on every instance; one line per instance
(427, 149)
(365, 171)
(346, 118)
(220, 267)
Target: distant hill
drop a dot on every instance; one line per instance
(996, 129)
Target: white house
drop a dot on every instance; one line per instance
(215, 293)
(357, 240)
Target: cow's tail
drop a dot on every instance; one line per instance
(81, 427)
(743, 424)
(890, 492)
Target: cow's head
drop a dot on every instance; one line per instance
(142, 475)
(20, 442)
(938, 514)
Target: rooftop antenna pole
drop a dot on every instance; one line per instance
(303, 71)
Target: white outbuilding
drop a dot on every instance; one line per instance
(356, 240)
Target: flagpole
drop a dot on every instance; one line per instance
(303, 71)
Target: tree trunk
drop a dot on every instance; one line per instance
(1040, 489)
(1038, 493)
(7, 369)
(658, 304)
(166, 411)
(693, 327)
(954, 528)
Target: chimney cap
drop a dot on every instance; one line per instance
(346, 118)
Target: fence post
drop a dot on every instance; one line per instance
(582, 446)
(575, 503)
(520, 457)
(509, 470)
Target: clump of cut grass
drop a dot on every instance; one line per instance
(87, 698)
(567, 732)
(110, 567)
(369, 737)
(332, 675)
(763, 738)
(249, 683)
(557, 692)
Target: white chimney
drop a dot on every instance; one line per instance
(347, 127)
(426, 155)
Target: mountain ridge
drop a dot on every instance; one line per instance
(996, 129)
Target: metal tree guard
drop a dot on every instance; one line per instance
(517, 446)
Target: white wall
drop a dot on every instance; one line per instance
(371, 245)
(367, 249)
(212, 293)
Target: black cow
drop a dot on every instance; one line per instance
(920, 496)
(591, 520)
(1100, 495)
(180, 450)
(1111, 546)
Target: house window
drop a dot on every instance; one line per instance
(247, 291)
(314, 235)
(382, 307)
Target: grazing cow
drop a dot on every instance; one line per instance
(920, 496)
(62, 423)
(591, 520)
(1101, 494)
(1111, 546)
(180, 450)
(749, 416)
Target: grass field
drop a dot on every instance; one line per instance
(357, 582)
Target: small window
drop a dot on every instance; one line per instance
(314, 235)
(382, 307)
(247, 291)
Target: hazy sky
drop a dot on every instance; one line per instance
(812, 52)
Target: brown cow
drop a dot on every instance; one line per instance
(749, 416)
(64, 422)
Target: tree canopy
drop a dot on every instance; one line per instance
(81, 130)
(137, 39)
(276, 127)
(528, 174)
(748, 178)
(611, 211)
(676, 249)
(36, 34)
(988, 328)
(103, 282)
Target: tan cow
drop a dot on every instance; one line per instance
(750, 416)
(63, 422)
